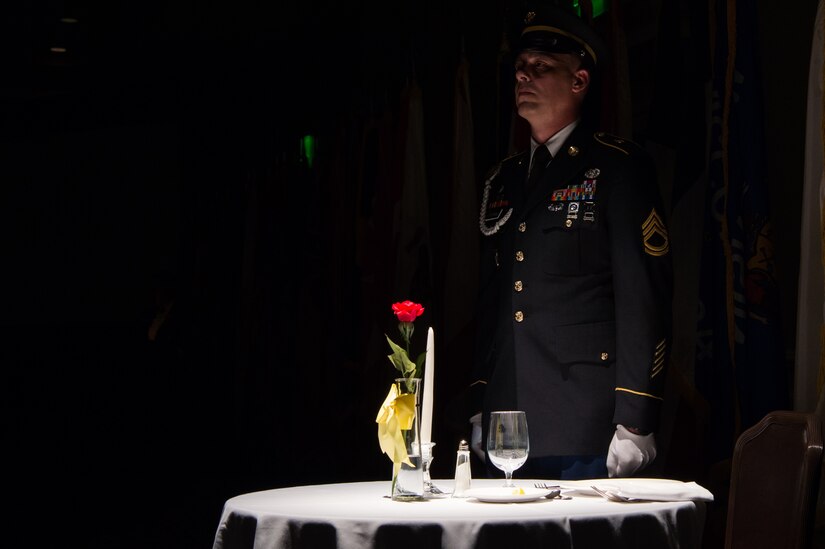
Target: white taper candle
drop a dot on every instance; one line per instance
(427, 401)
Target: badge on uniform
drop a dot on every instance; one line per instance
(654, 235)
(495, 212)
(586, 190)
(573, 210)
(589, 212)
(495, 209)
(496, 205)
(555, 206)
(658, 358)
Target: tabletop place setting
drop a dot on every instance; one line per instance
(405, 435)
(508, 447)
(466, 512)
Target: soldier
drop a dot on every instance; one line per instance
(576, 280)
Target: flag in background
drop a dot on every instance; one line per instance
(615, 111)
(412, 213)
(461, 290)
(739, 359)
(682, 71)
(810, 323)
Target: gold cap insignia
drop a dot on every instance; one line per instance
(654, 235)
(529, 17)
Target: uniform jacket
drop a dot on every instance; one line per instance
(576, 287)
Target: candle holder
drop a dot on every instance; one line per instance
(430, 489)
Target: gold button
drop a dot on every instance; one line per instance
(522, 227)
(568, 223)
(519, 316)
(519, 256)
(604, 356)
(573, 150)
(518, 286)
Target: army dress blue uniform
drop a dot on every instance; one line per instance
(576, 286)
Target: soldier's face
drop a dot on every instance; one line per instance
(548, 84)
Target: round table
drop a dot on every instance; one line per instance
(358, 515)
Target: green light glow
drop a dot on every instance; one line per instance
(598, 7)
(308, 149)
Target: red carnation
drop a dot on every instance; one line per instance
(407, 311)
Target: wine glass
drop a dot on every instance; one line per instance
(507, 442)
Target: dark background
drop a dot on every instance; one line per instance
(159, 157)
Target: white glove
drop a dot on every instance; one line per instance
(629, 452)
(475, 439)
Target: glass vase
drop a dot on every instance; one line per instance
(408, 481)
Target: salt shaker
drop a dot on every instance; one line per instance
(463, 476)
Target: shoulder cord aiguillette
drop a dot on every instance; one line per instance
(486, 229)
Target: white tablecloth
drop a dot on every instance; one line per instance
(358, 516)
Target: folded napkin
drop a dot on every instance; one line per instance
(655, 489)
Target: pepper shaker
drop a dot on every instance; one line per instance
(463, 475)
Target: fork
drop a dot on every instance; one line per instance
(555, 491)
(612, 496)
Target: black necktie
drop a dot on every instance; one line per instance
(541, 158)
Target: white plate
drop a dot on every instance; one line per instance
(506, 495)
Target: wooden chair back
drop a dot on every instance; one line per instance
(774, 483)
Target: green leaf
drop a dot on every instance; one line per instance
(419, 364)
(400, 359)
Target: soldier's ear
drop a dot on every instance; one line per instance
(581, 80)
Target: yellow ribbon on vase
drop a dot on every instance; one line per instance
(397, 413)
